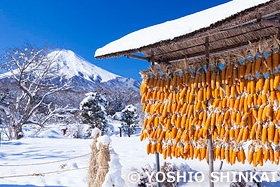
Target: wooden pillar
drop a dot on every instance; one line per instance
(156, 153)
(210, 151)
(279, 28)
(157, 167)
(120, 131)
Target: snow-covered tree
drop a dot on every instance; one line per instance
(119, 98)
(93, 111)
(116, 102)
(129, 117)
(33, 72)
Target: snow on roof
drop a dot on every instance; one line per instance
(177, 27)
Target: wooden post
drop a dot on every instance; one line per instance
(221, 165)
(120, 131)
(210, 152)
(278, 27)
(157, 167)
(156, 153)
(152, 58)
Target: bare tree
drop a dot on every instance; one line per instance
(36, 76)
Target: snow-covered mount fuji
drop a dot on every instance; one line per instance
(86, 76)
(71, 65)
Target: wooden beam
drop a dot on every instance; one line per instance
(270, 23)
(259, 17)
(213, 41)
(138, 57)
(220, 50)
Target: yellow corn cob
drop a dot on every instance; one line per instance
(275, 60)
(249, 100)
(242, 70)
(218, 81)
(213, 80)
(259, 154)
(208, 77)
(253, 68)
(248, 69)
(232, 91)
(266, 86)
(271, 82)
(260, 112)
(264, 135)
(250, 155)
(242, 85)
(266, 155)
(258, 64)
(269, 62)
(236, 104)
(223, 75)
(258, 131)
(269, 112)
(276, 137)
(271, 131)
(276, 80)
(240, 135)
(272, 97)
(253, 131)
(230, 71)
(264, 115)
(252, 86)
(149, 145)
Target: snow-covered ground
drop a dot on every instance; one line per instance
(49, 145)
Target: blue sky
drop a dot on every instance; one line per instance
(86, 25)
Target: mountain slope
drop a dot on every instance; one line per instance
(70, 65)
(85, 76)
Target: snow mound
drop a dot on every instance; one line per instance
(50, 133)
(113, 177)
(130, 108)
(105, 140)
(117, 116)
(95, 132)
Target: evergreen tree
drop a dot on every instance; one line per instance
(93, 112)
(130, 118)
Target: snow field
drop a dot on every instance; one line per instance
(127, 155)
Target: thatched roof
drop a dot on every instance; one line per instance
(230, 33)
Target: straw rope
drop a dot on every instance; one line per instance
(43, 163)
(41, 174)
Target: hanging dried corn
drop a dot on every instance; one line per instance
(237, 98)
